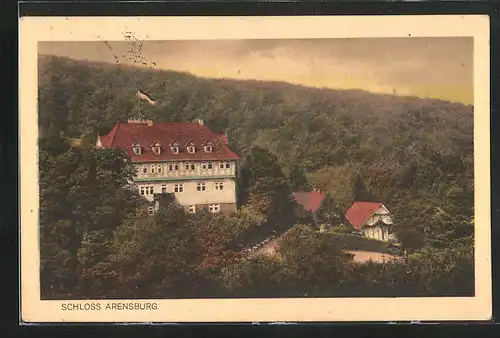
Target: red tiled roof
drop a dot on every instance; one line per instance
(360, 212)
(309, 200)
(222, 137)
(123, 135)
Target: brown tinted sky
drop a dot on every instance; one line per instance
(426, 67)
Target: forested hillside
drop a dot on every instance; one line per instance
(414, 155)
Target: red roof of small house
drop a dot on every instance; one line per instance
(309, 200)
(360, 212)
(125, 134)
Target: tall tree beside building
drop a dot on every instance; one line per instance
(330, 212)
(156, 256)
(267, 191)
(360, 192)
(298, 180)
(84, 196)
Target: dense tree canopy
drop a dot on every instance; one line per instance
(414, 155)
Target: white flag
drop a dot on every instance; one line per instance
(144, 96)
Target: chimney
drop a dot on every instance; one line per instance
(150, 123)
(139, 121)
(200, 122)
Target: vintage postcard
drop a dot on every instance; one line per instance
(255, 169)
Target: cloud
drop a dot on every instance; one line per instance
(435, 67)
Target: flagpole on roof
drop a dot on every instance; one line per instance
(139, 100)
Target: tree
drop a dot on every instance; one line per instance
(360, 191)
(268, 190)
(84, 196)
(317, 265)
(411, 239)
(156, 257)
(329, 211)
(413, 154)
(298, 180)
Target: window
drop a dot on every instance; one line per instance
(156, 149)
(228, 165)
(221, 165)
(151, 211)
(214, 208)
(190, 166)
(146, 190)
(145, 169)
(190, 149)
(204, 165)
(210, 165)
(208, 148)
(175, 149)
(192, 209)
(163, 188)
(158, 168)
(170, 167)
(201, 187)
(137, 150)
(152, 169)
(219, 185)
(178, 188)
(186, 166)
(176, 166)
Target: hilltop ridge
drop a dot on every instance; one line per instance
(317, 132)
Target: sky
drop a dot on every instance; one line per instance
(426, 67)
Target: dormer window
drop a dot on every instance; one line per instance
(174, 147)
(190, 148)
(136, 147)
(156, 148)
(208, 147)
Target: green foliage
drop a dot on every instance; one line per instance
(414, 155)
(337, 181)
(354, 242)
(298, 180)
(343, 228)
(156, 256)
(266, 196)
(330, 212)
(310, 255)
(444, 273)
(84, 196)
(360, 192)
(258, 277)
(411, 239)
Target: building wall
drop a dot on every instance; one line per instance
(380, 233)
(224, 207)
(160, 170)
(190, 194)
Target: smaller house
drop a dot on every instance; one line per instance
(310, 201)
(371, 219)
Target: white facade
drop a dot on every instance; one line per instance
(194, 183)
(377, 226)
(185, 169)
(163, 164)
(192, 192)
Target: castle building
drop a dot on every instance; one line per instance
(185, 159)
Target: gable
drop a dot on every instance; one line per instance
(309, 200)
(181, 134)
(360, 212)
